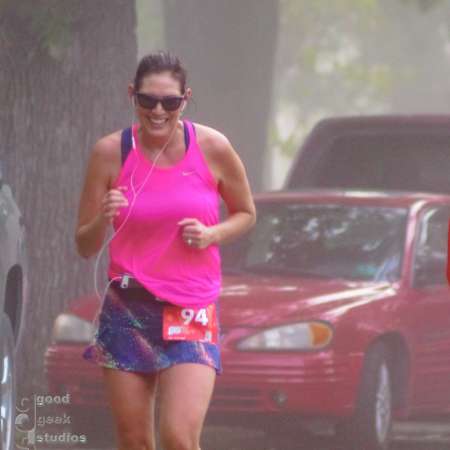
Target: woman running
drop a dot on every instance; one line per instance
(159, 184)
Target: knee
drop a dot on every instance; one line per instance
(178, 439)
(134, 439)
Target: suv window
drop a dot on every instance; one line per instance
(410, 162)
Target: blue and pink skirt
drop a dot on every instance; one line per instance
(129, 336)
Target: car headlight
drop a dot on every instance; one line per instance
(296, 336)
(70, 328)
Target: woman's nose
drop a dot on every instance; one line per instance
(158, 108)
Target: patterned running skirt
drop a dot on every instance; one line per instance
(129, 336)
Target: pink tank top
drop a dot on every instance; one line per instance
(150, 246)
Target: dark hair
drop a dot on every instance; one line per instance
(158, 62)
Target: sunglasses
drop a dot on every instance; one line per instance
(169, 102)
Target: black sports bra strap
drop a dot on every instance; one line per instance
(125, 143)
(186, 133)
(186, 136)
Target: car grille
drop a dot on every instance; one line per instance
(236, 398)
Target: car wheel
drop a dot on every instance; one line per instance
(7, 385)
(370, 426)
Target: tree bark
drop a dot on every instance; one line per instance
(229, 51)
(63, 83)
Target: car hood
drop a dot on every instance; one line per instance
(255, 300)
(260, 301)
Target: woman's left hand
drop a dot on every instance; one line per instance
(195, 234)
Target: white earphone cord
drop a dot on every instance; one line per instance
(135, 194)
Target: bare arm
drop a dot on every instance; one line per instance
(235, 190)
(97, 203)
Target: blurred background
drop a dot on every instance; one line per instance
(262, 71)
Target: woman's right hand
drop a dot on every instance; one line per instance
(112, 201)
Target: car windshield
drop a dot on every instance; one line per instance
(324, 241)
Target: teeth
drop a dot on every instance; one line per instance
(158, 121)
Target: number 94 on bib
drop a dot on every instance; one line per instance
(190, 324)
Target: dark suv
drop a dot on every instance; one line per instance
(13, 289)
(386, 152)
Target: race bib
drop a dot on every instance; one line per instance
(189, 324)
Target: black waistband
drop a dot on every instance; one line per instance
(135, 286)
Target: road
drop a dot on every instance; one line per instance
(410, 436)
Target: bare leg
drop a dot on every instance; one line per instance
(132, 399)
(184, 393)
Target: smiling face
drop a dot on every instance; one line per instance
(158, 122)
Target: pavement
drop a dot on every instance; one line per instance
(407, 436)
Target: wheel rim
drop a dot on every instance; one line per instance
(383, 410)
(6, 398)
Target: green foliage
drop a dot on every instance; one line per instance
(341, 57)
(424, 5)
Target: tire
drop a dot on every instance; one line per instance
(7, 385)
(371, 425)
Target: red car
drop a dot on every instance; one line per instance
(335, 309)
(338, 312)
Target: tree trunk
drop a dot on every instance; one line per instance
(65, 69)
(229, 48)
